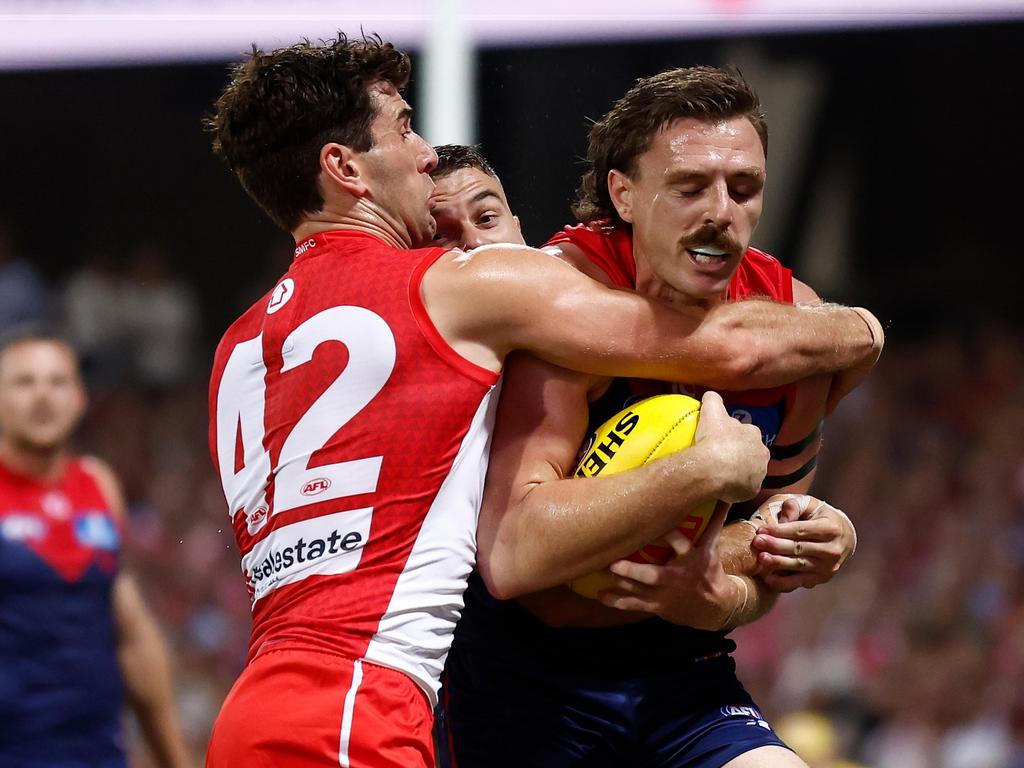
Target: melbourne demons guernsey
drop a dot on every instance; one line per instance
(508, 633)
(352, 445)
(60, 684)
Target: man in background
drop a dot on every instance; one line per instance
(76, 638)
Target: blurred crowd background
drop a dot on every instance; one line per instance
(899, 161)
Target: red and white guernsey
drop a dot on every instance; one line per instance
(352, 446)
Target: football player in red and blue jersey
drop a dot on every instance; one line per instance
(644, 679)
(76, 638)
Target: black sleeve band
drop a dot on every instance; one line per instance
(773, 482)
(779, 452)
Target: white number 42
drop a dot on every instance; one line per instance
(241, 405)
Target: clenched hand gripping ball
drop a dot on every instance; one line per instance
(649, 429)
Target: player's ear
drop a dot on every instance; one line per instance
(620, 189)
(519, 227)
(340, 167)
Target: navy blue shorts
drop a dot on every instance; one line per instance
(492, 716)
(8, 761)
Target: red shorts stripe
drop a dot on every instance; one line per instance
(295, 708)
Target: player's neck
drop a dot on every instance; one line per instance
(360, 216)
(42, 464)
(649, 284)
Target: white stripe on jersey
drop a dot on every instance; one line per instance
(347, 714)
(415, 632)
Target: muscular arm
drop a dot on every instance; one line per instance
(678, 592)
(822, 534)
(500, 298)
(795, 452)
(146, 669)
(141, 652)
(538, 525)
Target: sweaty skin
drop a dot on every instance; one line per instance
(471, 210)
(454, 192)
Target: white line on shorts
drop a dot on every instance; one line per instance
(346, 715)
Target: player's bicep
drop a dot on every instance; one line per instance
(793, 462)
(541, 421)
(497, 299)
(778, 480)
(795, 452)
(129, 609)
(581, 324)
(794, 455)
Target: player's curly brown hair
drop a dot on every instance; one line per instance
(619, 138)
(282, 106)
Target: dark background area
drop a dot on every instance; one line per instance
(105, 158)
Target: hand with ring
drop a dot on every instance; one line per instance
(804, 543)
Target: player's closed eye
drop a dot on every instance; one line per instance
(688, 191)
(744, 192)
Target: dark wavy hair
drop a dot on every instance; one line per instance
(282, 106)
(619, 138)
(455, 157)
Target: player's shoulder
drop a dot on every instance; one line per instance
(101, 473)
(761, 274)
(492, 259)
(792, 289)
(591, 231)
(581, 260)
(98, 469)
(604, 243)
(248, 324)
(756, 260)
(504, 280)
(757, 256)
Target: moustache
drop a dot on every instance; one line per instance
(713, 236)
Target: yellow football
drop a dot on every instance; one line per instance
(647, 430)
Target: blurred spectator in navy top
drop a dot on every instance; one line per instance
(24, 297)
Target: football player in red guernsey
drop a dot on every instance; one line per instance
(75, 635)
(351, 408)
(592, 685)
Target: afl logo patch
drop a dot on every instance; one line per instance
(258, 515)
(315, 487)
(257, 519)
(281, 295)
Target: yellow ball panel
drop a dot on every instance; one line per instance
(648, 430)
